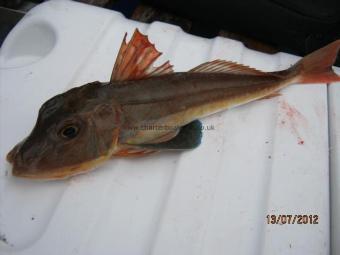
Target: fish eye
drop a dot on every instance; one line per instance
(69, 131)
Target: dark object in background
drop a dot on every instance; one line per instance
(10, 3)
(297, 27)
(95, 2)
(148, 14)
(8, 19)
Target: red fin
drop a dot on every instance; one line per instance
(133, 152)
(134, 60)
(317, 66)
(222, 66)
(275, 94)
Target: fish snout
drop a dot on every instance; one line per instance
(21, 159)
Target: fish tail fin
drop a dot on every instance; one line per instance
(317, 66)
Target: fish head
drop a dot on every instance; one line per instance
(74, 132)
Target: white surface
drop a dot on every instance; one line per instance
(212, 200)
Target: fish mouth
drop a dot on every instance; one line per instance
(12, 154)
(10, 157)
(55, 173)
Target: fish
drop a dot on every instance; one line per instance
(145, 109)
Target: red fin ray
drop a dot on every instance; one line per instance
(223, 66)
(135, 59)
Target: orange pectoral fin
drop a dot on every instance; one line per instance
(133, 152)
(275, 94)
(134, 60)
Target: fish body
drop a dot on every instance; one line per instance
(87, 125)
(176, 99)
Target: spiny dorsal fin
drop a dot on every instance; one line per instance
(134, 60)
(222, 66)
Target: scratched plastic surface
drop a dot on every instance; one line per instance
(267, 157)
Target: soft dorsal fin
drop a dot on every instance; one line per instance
(135, 58)
(222, 66)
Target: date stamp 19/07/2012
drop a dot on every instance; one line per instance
(301, 219)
